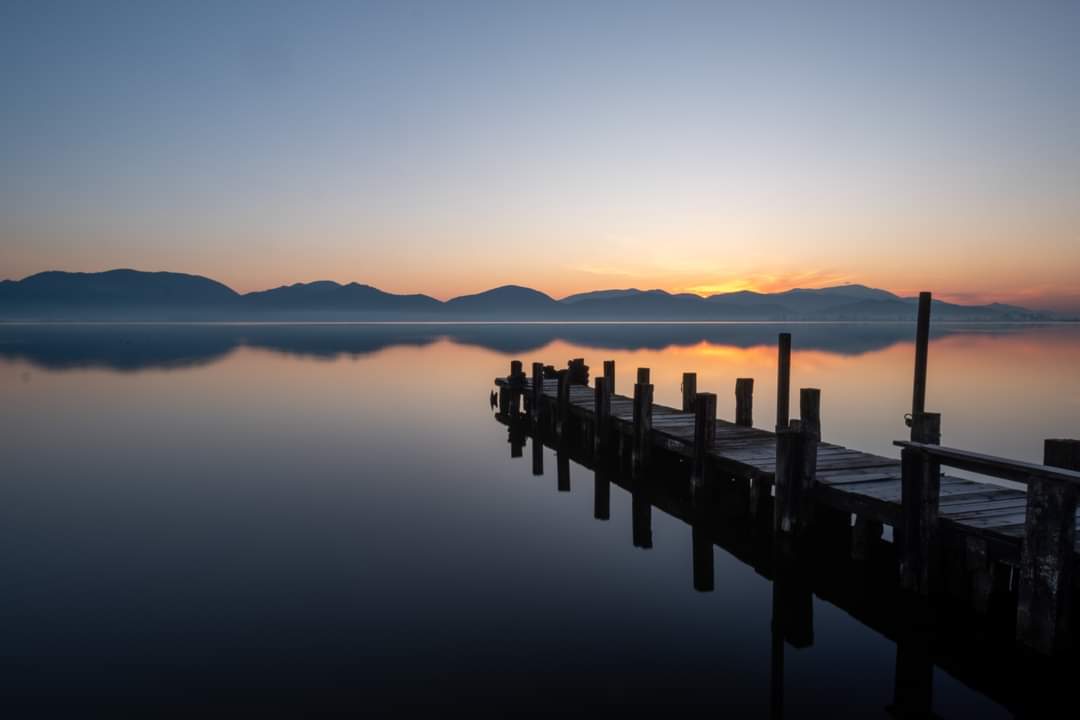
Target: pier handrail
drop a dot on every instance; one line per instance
(992, 466)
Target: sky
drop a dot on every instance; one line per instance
(449, 147)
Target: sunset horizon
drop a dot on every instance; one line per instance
(770, 285)
(546, 358)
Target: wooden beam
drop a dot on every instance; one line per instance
(993, 466)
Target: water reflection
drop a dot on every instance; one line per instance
(322, 517)
(934, 646)
(136, 346)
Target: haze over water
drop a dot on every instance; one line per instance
(252, 516)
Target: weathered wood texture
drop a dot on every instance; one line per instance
(922, 345)
(987, 522)
(704, 434)
(783, 380)
(744, 402)
(689, 390)
(1044, 603)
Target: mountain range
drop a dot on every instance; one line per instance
(132, 295)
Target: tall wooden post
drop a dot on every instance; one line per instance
(920, 487)
(922, 343)
(643, 394)
(1044, 603)
(689, 390)
(609, 376)
(744, 402)
(704, 432)
(537, 389)
(783, 381)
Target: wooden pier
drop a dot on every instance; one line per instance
(956, 542)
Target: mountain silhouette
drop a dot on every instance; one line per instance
(131, 295)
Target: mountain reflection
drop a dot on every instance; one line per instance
(132, 347)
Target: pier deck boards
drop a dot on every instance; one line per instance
(849, 480)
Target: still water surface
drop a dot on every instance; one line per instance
(294, 517)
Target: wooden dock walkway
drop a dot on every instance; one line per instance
(851, 480)
(952, 535)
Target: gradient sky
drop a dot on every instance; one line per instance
(447, 147)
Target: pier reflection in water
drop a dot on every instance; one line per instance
(279, 519)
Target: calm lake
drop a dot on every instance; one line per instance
(285, 518)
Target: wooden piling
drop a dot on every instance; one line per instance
(810, 412)
(517, 385)
(643, 395)
(562, 468)
(537, 453)
(562, 401)
(744, 402)
(920, 487)
(609, 376)
(536, 405)
(641, 513)
(602, 410)
(1044, 594)
(579, 371)
(601, 492)
(783, 381)
(922, 344)
(704, 406)
(793, 482)
(864, 534)
(702, 555)
(689, 390)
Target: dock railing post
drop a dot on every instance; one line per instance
(643, 395)
(920, 483)
(689, 390)
(783, 381)
(744, 402)
(704, 432)
(1044, 594)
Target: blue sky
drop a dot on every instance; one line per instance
(448, 147)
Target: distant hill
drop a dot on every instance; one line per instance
(509, 302)
(127, 295)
